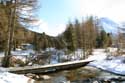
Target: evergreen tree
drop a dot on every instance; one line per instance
(35, 42)
(70, 37)
(109, 40)
(78, 34)
(45, 41)
(103, 38)
(60, 43)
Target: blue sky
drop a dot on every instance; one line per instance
(53, 15)
(56, 11)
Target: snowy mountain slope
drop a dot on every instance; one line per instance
(110, 26)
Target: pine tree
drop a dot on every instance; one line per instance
(103, 36)
(109, 40)
(45, 41)
(78, 34)
(70, 37)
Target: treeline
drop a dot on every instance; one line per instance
(86, 35)
(83, 35)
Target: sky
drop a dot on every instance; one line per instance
(53, 15)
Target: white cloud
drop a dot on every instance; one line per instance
(115, 12)
(39, 26)
(42, 26)
(113, 9)
(56, 30)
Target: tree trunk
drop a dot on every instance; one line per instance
(11, 27)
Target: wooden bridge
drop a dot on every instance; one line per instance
(48, 68)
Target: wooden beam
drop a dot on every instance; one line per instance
(48, 68)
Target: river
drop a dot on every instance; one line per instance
(85, 74)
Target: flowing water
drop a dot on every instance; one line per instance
(82, 75)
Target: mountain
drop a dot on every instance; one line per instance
(108, 25)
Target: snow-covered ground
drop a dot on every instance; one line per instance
(113, 64)
(22, 52)
(6, 77)
(98, 55)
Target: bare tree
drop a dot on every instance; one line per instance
(89, 36)
(15, 15)
(120, 41)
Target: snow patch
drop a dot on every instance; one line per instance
(98, 55)
(115, 65)
(6, 77)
